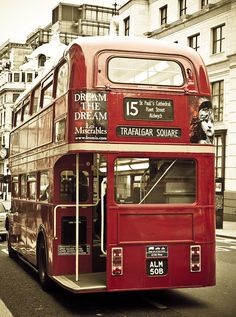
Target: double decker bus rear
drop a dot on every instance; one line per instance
(130, 171)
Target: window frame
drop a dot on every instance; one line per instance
(218, 108)
(218, 41)
(182, 8)
(23, 186)
(61, 83)
(15, 186)
(43, 192)
(163, 14)
(32, 181)
(143, 59)
(126, 26)
(220, 148)
(47, 87)
(35, 100)
(194, 41)
(168, 183)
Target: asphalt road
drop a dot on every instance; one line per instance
(22, 296)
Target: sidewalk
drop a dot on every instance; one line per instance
(228, 231)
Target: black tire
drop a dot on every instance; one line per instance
(11, 252)
(3, 237)
(45, 281)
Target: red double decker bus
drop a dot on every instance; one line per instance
(112, 167)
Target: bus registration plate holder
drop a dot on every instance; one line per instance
(157, 266)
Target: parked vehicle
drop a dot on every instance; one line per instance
(3, 214)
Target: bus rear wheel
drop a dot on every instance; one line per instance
(11, 252)
(45, 281)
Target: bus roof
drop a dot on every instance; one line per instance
(90, 46)
(95, 44)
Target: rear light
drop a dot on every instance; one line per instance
(117, 261)
(195, 258)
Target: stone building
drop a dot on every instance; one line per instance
(209, 27)
(21, 63)
(13, 81)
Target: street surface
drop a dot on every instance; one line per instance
(22, 296)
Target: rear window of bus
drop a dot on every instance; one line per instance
(145, 71)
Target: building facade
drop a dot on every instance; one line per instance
(21, 63)
(209, 27)
(13, 81)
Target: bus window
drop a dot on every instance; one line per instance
(62, 80)
(67, 186)
(23, 186)
(47, 92)
(43, 186)
(26, 108)
(32, 186)
(36, 94)
(18, 118)
(15, 186)
(154, 181)
(145, 71)
(60, 130)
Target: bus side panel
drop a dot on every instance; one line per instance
(64, 245)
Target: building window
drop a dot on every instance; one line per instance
(204, 3)
(217, 89)
(55, 15)
(182, 7)
(127, 25)
(218, 39)
(16, 77)
(41, 60)
(220, 137)
(29, 77)
(194, 41)
(91, 14)
(67, 13)
(163, 13)
(15, 96)
(10, 77)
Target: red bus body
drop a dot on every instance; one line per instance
(104, 139)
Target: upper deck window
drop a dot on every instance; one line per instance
(62, 80)
(145, 71)
(36, 95)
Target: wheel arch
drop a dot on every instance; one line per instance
(42, 238)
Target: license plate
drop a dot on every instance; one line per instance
(157, 267)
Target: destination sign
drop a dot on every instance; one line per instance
(148, 132)
(148, 109)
